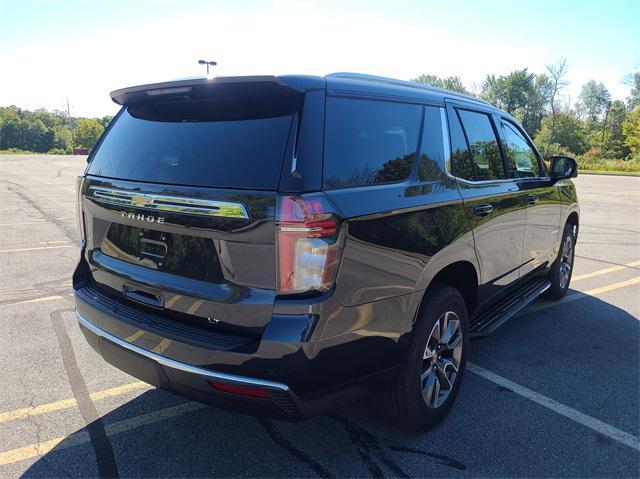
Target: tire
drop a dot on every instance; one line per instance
(406, 401)
(562, 268)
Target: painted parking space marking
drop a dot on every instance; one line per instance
(27, 452)
(53, 297)
(611, 287)
(70, 402)
(600, 272)
(37, 248)
(540, 305)
(42, 222)
(592, 423)
(82, 437)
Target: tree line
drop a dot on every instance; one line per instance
(47, 132)
(595, 128)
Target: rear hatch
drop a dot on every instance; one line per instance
(179, 201)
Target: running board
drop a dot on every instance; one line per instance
(488, 322)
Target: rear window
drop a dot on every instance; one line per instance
(369, 142)
(233, 144)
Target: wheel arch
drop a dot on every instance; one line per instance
(461, 275)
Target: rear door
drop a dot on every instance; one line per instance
(542, 199)
(179, 204)
(494, 202)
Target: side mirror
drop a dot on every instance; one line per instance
(563, 167)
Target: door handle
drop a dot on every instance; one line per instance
(483, 210)
(531, 199)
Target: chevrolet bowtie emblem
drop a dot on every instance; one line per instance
(140, 201)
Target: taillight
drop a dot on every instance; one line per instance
(79, 213)
(308, 246)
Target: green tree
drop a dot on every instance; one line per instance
(593, 101)
(508, 92)
(453, 83)
(633, 80)
(522, 94)
(569, 135)
(557, 72)
(38, 138)
(538, 98)
(62, 138)
(631, 132)
(105, 120)
(87, 131)
(611, 135)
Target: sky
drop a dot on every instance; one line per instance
(51, 50)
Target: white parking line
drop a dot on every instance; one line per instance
(570, 413)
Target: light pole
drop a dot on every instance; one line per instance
(205, 62)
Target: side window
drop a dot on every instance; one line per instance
(460, 162)
(369, 142)
(430, 166)
(485, 153)
(521, 159)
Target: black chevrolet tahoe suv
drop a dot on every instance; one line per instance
(287, 245)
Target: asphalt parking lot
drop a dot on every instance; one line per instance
(555, 392)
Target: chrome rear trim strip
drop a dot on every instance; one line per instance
(187, 368)
(174, 204)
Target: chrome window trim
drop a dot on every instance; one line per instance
(164, 203)
(170, 363)
(446, 145)
(446, 142)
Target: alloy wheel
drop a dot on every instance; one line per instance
(566, 261)
(441, 359)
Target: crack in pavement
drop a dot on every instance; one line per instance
(439, 458)
(68, 231)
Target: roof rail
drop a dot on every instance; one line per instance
(404, 83)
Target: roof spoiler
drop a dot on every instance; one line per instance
(199, 87)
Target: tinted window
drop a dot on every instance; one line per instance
(521, 159)
(460, 158)
(485, 153)
(429, 168)
(225, 144)
(369, 142)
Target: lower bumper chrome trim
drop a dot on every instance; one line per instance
(170, 363)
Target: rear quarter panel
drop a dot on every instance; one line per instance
(398, 238)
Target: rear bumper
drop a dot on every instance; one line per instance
(192, 381)
(135, 347)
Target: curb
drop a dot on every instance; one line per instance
(604, 173)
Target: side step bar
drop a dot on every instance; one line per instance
(488, 322)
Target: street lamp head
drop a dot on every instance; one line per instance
(208, 63)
